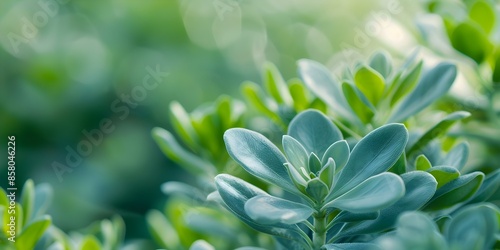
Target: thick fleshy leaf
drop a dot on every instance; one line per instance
(314, 163)
(474, 227)
(295, 153)
(181, 188)
(370, 83)
(258, 156)
(420, 187)
(415, 230)
(314, 131)
(253, 93)
(201, 245)
(471, 40)
(437, 130)
(351, 246)
(358, 102)
(433, 85)
(407, 83)
(422, 163)
(162, 230)
(28, 200)
(267, 209)
(316, 189)
(340, 152)
(299, 94)
(490, 185)
(374, 154)
(275, 85)
(32, 233)
(328, 171)
(483, 14)
(182, 124)
(175, 152)
(319, 80)
(455, 191)
(457, 157)
(381, 62)
(236, 192)
(375, 193)
(443, 174)
(43, 198)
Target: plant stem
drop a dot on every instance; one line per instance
(319, 235)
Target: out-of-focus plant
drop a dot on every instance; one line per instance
(34, 228)
(472, 30)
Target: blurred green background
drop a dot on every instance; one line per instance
(64, 63)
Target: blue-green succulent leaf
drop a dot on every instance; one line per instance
(443, 174)
(258, 156)
(456, 191)
(490, 185)
(320, 81)
(457, 157)
(316, 189)
(473, 227)
(340, 152)
(314, 131)
(373, 154)
(267, 210)
(420, 187)
(295, 153)
(373, 194)
(433, 85)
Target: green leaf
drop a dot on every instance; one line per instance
(28, 200)
(90, 242)
(175, 152)
(340, 152)
(415, 230)
(422, 163)
(489, 186)
(32, 233)
(314, 164)
(455, 191)
(443, 174)
(275, 85)
(370, 83)
(474, 227)
(314, 131)
(253, 94)
(375, 193)
(316, 189)
(299, 95)
(469, 39)
(457, 156)
(373, 154)
(328, 171)
(496, 71)
(295, 153)
(267, 209)
(434, 84)
(182, 124)
(319, 80)
(201, 245)
(162, 230)
(381, 62)
(346, 216)
(172, 188)
(236, 192)
(351, 246)
(437, 130)
(406, 84)
(358, 102)
(43, 199)
(420, 187)
(483, 14)
(258, 156)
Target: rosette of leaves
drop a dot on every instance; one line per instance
(31, 222)
(473, 227)
(279, 100)
(326, 185)
(375, 93)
